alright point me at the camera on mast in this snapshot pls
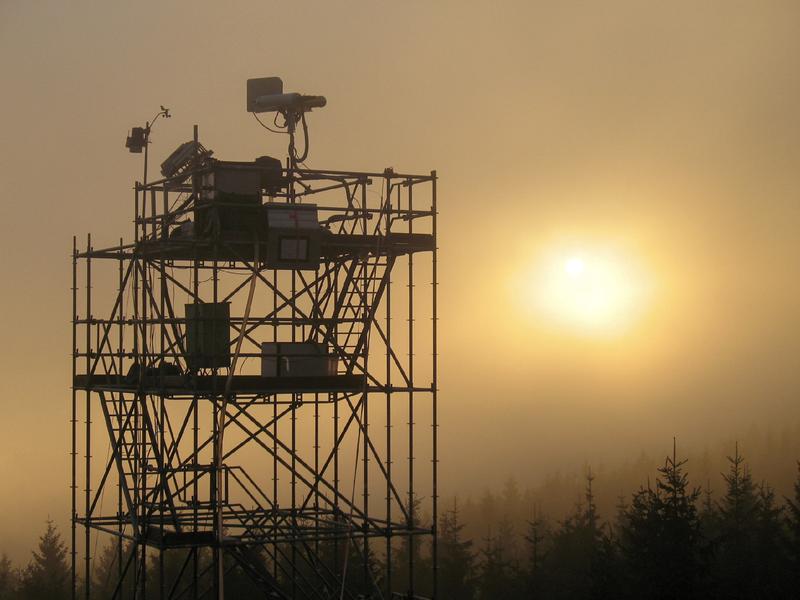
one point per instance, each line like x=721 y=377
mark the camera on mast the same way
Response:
x=265 y=94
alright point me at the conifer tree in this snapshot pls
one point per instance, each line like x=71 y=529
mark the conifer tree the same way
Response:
x=456 y=561
x=735 y=566
x=498 y=577
x=47 y=576
x=487 y=508
x=580 y=557
x=410 y=549
x=8 y=578
x=793 y=527
x=708 y=510
x=771 y=544
x=662 y=543
x=511 y=500
x=106 y=571
x=334 y=560
x=536 y=539
x=622 y=513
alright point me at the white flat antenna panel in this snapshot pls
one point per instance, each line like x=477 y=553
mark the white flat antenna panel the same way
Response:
x=259 y=87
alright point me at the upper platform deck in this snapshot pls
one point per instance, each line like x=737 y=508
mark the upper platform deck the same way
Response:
x=234 y=211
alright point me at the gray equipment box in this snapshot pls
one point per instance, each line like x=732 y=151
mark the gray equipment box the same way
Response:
x=208 y=335
x=225 y=179
x=293 y=236
x=229 y=202
x=297 y=359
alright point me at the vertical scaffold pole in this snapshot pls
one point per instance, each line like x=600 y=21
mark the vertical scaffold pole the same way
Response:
x=365 y=315
x=295 y=401
x=435 y=391
x=146 y=350
x=219 y=562
x=74 y=422
x=411 y=499
x=275 y=466
x=120 y=405
x=88 y=499
x=195 y=414
x=162 y=417
x=134 y=420
x=388 y=295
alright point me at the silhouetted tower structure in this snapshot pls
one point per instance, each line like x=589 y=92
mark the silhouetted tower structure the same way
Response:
x=255 y=381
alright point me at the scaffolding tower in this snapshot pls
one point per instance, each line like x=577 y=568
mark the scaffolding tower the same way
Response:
x=254 y=396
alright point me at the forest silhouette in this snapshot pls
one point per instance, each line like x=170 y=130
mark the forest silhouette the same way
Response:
x=665 y=540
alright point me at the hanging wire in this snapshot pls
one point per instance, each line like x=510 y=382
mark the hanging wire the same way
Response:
x=306 y=142
x=352 y=502
x=267 y=127
x=353 y=495
x=295 y=118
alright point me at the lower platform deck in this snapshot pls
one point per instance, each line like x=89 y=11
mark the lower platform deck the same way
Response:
x=214 y=385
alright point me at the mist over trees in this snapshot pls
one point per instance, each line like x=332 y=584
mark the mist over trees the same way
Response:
x=45 y=577
x=665 y=540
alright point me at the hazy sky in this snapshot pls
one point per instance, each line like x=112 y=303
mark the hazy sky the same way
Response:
x=663 y=135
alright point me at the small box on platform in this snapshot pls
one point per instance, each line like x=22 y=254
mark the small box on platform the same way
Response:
x=208 y=335
x=297 y=359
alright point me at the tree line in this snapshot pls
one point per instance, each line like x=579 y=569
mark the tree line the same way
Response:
x=666 y=540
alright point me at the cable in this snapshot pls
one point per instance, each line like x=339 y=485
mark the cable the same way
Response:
x=293 y=155
x=352 y=503
x=290 y=120
x=221 y=424
x=267 y=127
x=350 y=539
x=306 y=143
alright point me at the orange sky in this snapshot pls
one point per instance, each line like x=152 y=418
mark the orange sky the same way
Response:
x=668 y=132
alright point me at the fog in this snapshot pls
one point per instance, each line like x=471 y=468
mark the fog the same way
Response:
x=668 y=132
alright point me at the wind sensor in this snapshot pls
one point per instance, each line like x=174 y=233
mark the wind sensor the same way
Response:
x=139 y=137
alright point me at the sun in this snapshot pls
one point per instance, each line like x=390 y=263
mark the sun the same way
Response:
x=591 y=291
x=574 y=267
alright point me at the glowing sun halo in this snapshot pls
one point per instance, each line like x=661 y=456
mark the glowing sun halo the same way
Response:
x=589 y=291
x=574 y=267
